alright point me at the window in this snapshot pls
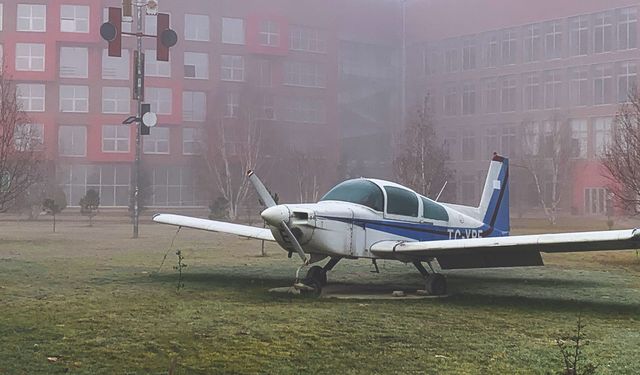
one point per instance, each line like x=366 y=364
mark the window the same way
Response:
x=160 y=100
x=157 y=142
x=74 y=62
x=175 y=186
x=30 y=97
x=116 y=67
x=401 y=202
x=579 y=135
x=596 y=201
x=603 y=32
x=627 y=81
x=32 y=17
x=508 y=141
x=491 y=96
x=531 y=94
x=509 y=47
x=30 y=57
x=155 y=68
x=492 y=51
x=359 y=191
x=492 y=141
x=151 y=25
x=469 y=99
x=74 y=19
x=452 y=60
x=579 y=35
x=269 y=33
x=451 y=101
x=469 y=188
x=469 y=145
x=553 y=40
x=431 y=61
x=194 y=106
x=552 y=88
x=116 y=100
x=579 y=86
x=196 y=27
x=508 y=94
x=304 y=110
x=602 y=134
x=196 y=65
x=265 y=74
x=110 y=181
x=602 y=84
x=304 y=74
x=306 y=39
x=232 y=68
x=451 y=145
x=232 y=105
x=531 y=48
x=115 y=138
x=432 y=210
x=72 y=140
x=74 y=99
x=469 y=54
x=627 y=24
x=29 y=137
x=232 y=30
x=267 y=110
x=1 y=16
x=191 y=141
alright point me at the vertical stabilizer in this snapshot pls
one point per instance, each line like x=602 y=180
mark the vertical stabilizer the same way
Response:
x=494 y=204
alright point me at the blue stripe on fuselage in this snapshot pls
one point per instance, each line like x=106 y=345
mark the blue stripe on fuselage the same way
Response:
x=419 y=231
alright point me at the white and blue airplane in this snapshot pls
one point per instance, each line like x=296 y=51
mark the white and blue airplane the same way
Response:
x=376 y=219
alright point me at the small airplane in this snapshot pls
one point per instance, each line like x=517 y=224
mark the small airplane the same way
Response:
x=376 y=219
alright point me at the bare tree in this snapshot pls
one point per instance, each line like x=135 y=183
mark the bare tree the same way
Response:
x=547 y=149
x=308 y=173
x=227 y=160
x=621 y=157
x=421 y=161
x=20 y=147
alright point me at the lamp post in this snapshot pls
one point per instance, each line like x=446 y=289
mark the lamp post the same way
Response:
x=112 y=32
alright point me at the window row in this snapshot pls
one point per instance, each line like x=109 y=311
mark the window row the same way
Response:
x=581 y=35
x=33 y=18
x=578 y=138
x=551 y=89
x=266 y=107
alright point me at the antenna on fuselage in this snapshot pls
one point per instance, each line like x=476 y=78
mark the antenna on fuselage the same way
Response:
x=441 y=190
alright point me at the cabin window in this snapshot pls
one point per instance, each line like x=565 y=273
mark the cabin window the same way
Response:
x=434 y=211
x=401 y=202
x=359 y=191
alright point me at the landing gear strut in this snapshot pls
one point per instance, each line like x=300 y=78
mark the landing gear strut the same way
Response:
x=435 y=283
x=317 y=276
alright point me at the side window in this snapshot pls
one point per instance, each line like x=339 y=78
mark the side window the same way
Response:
x=432 y=210
x=401 y=202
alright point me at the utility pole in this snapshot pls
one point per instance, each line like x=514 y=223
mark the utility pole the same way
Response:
x=112 y=32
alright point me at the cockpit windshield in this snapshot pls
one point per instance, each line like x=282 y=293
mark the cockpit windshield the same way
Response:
x=358 y=191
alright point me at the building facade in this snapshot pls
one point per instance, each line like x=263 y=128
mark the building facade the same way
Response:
x=277 y=63
x=496 y=71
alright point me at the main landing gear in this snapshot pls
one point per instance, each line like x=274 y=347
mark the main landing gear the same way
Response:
x=316 y=277
x=435 y=283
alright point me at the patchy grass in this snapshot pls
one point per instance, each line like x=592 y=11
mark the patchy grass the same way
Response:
x=91 y=298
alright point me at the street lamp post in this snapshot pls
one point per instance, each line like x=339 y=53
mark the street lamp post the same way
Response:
x=112 y=32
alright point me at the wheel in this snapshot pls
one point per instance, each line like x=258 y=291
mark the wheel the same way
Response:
x=317 y=273
x=316 y=278
x=436 y=284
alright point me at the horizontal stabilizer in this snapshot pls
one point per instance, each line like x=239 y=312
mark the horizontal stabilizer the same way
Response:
x=215 y=226
x=508 y=247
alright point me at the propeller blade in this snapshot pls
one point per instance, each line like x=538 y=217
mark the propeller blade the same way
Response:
x=263 y=193
x=295 y=242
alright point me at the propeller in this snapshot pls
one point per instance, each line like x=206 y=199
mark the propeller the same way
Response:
x=276 y=215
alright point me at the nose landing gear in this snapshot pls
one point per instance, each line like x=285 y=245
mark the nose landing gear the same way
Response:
x=316 y=278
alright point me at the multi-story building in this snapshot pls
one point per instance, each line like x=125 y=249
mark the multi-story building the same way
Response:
x=495 y=68
x=277 y=63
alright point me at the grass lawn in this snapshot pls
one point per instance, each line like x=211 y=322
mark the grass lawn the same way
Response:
x=90 y=301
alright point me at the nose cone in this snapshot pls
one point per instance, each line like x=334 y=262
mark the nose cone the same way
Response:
x=276 y=215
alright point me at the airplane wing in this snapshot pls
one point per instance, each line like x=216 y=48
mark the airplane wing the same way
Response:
x=507 y=251
x=215 y=226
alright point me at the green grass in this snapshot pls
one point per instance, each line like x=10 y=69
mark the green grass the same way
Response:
x=91 y=297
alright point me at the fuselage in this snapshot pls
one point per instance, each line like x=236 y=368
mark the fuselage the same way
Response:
x=347 y=222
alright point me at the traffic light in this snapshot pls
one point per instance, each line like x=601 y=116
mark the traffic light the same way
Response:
x=111 y=31
x=166 y=38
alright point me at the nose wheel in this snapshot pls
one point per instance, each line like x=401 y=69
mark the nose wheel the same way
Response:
x=316 y=278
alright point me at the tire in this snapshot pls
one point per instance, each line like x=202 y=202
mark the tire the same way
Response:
x=436 y=284
x=318 y=274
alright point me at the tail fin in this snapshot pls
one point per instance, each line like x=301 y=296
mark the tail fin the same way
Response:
x=494 y=204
